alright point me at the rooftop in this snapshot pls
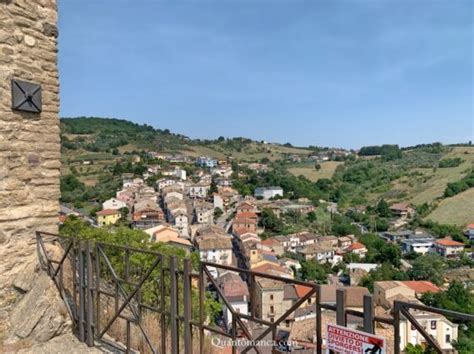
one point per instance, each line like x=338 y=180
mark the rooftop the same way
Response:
x=449 y=242
x=106 y=212
x=421 y=286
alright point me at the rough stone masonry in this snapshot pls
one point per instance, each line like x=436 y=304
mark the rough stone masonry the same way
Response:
x=30 y=310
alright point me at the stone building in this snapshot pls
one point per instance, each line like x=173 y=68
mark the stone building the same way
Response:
x=31 y=311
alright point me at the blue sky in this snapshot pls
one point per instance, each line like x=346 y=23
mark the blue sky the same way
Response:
x=332 y=73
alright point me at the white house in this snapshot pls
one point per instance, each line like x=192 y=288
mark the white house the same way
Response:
x=215 y=249
x=114 y=204
x=420 y=245
x=180 y=173
x=165 y=182
x=449 y=248
x=198 y=190
x=218 y=202
x=268 y=192
x=222 y=171
x=204 y=213
x=181 y=222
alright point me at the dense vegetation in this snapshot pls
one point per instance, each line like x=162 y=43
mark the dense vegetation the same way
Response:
x=458 y=187
x=74 y=192
x=104 y=135
x=387 y=152
x=139 y=262
x=450 y=162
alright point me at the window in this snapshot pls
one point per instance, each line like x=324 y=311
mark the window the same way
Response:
x=272 y=320
x=271 y=297
x=433 y=324
x=272 y=310
x=448 y=338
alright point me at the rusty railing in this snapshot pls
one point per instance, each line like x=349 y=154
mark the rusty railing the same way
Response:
x=103 y=288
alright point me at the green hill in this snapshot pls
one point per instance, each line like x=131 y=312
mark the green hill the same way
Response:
x=418 y=174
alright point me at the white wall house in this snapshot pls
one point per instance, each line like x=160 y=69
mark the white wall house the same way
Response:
x=180 y=173
x=268 y=192
x=418 y=245
x=114 y=204
x=438 y=326
x=218 y=202
x=215 y=249
x=165 y=182
x=198 y=190
x=180 y=221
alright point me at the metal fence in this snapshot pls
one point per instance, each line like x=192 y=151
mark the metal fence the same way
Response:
x=140 y=300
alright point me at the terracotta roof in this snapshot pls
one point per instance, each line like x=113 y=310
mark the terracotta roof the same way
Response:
x=233 y=286
x=470 y=226
x=356 y=246
x=449 y=242
x=421 y=287
x=210 y=242
x=302 y=290
x=355 y=295
x=245 y=215
x=271 y=268
x=108 y=212
x=270 y=242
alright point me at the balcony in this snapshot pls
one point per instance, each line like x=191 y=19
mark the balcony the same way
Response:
x=105 y=295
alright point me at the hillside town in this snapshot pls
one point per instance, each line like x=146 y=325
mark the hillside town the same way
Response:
x=201 y=213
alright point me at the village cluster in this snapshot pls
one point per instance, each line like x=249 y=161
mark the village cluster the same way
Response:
x=203 y=213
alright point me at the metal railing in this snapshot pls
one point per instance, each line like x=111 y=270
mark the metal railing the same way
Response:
x=103 y=287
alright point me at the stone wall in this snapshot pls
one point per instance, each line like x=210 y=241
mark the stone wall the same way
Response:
x=29 y=158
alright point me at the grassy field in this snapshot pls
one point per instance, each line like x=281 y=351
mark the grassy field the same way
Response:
x=458 y=210
x=431 y=183
x=251 y=153
x=326 y=171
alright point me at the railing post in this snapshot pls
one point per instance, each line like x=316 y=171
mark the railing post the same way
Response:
x=368 y=314
x=340 y=307
x=201 y=308
x=253 y=302
x=81 y=292
x=234 y=334
x=74 y=278
x=89 y=296
x=97 y=289
x=163 y=305
x=319 y=339
x=187 y=307
x=396 y=327
x=174 y=306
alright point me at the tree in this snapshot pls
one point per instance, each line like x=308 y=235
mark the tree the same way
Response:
x=385 y=272
x=428 y=267
x=311 y=270
x=213 y=189
x=317 y=166
x=383 y=209
x=218 y=213
x=311 y=216
x=270 y=221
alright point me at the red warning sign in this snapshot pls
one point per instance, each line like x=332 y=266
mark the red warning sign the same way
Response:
x=350 y=341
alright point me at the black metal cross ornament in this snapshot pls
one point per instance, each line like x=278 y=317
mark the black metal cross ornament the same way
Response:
x=26 y=96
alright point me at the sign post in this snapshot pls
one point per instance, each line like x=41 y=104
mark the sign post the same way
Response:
x=344 y=340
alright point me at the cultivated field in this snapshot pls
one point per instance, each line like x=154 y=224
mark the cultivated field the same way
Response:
x=252 y=152
x=326 y=171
